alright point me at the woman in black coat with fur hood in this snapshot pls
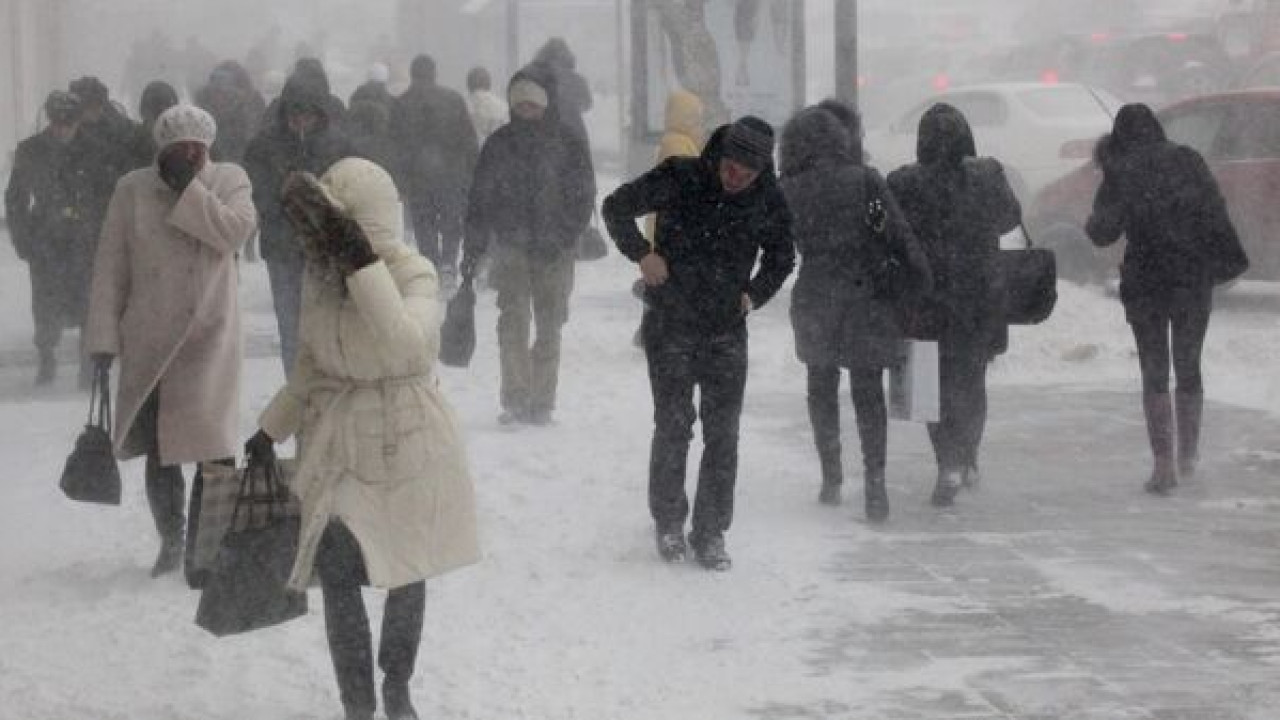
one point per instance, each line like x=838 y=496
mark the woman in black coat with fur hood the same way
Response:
x=837 y=322
x=1180 y=244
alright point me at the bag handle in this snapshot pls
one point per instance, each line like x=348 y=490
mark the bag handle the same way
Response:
x=272 y=485
x=100 y=400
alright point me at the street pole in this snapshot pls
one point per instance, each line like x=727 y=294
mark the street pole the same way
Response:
x=846 y=55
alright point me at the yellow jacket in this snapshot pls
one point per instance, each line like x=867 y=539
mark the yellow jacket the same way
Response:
x=682 y=137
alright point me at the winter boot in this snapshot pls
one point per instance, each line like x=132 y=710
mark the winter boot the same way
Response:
x=971 y=476
x=877 y=498
x=48 y=368
x=672 y=546
x=832 y=474
x=824 y=415
x=166 y=489
x=944 y=492
x=712 y=554
x=396 y=701
x=1158 y=409
x=1190 y=408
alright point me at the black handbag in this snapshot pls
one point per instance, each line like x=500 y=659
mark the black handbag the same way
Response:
x=887 y=267
x=246 y=589
x=1029 y=283
x=92 y=473
x=458 y=333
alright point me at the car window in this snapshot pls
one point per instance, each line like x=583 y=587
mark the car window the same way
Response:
x=1254 y=133
x=980 y=109
x=1196 y=127
x=1067 y=101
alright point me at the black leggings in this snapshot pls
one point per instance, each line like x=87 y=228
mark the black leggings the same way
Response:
x=867 y=389
x=963 y=380
x=1187 y=322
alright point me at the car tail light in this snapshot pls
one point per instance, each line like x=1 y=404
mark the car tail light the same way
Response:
x=1176 y=37
x=1049 y=77
x=1100 y=37
x=941 y=82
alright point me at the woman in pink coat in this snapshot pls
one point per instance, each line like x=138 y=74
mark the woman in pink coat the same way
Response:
x=164 y=300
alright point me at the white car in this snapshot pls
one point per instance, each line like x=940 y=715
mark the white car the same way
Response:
x=1038 y=131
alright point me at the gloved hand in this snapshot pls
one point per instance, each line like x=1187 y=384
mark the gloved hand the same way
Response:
x=102 y=361
x=179 y=163
x=328 y=232
x=260 y=449
x=347 y=245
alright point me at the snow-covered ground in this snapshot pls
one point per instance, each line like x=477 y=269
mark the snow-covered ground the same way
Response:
x=570 y=615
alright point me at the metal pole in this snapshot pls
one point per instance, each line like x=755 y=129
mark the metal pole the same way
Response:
x=513 y=37
x=846 y=55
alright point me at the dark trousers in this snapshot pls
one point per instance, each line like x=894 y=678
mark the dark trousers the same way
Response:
x=437 y=226
x=963 y=382
x=1186 y=321
x=286 y=295
x=166 y=487
x=717 y=366
x=866 y=386
x=59 y=296
x=342 y=573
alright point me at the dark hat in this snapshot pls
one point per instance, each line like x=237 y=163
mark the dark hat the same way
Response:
x=62 y=106
x=90 y=89
x=750 y=142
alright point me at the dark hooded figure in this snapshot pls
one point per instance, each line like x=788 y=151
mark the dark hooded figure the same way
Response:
x=106 y=142
x=438 y=147
x=236 y=105
x=958 y=205
x=725 y=249
x=301 y=135
x=369 y=128
x=157 y=97
x=837 y=322
x=1181 y=242
x=531 y=198
x=573 y=95
x=312 y=71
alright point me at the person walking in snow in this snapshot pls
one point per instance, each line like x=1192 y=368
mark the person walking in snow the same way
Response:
x=157 y=97
x=488 y=112
x=165 y=301
x=725 y=249
x=386 y=495
x=531 y=198
x=958 y=206
x=837 y=320
x=1163 y=198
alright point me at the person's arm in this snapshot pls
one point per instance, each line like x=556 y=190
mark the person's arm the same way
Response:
x=579 y=189
x=1108 y=220
x=283 y=415
x=223 y=221
x=17 y=203
x=1006 y=211
x=109 y=289
x=778 y=252
x=899 y=233
x=655 y=191
x=481 y=197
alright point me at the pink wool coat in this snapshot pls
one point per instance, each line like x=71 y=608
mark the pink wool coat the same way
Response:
x=164 y=300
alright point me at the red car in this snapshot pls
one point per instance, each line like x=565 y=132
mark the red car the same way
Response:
x=1239 y=136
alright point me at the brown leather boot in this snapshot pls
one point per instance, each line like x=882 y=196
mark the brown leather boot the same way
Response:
x=1158 y=408
x=1190 y=408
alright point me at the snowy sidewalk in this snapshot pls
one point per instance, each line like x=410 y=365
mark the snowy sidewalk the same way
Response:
x=1057 y=591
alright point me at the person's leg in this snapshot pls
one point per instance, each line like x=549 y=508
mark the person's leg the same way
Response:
x=46 y=314
x=867 y=388
x=286 y=295
x=1151 y=333
x=1190 y=325
x=971 y=417
x=721 y=374
x=944 y=434
x=823 y=397
x=552 y=288
x=671 y=379
x=398 y=648
x=166 y=491
x=451 y=220
x=426 y=230
x=511 y=277
x=341 y=569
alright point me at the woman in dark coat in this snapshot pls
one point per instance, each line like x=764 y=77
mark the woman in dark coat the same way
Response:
x=837 y=322
x=1180 y=243
x=958 y=205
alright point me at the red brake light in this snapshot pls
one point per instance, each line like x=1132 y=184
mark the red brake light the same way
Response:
x=941 y=82
x=1177 y=37
x=1100 y=37
x=1049 y=77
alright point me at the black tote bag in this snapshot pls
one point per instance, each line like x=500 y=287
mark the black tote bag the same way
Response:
x=458 y=333
x=246 y=588
x=1029 y=282
x=91 y=473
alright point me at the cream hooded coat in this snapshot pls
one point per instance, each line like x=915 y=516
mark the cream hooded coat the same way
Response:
x=379 y=447
x=164 y=299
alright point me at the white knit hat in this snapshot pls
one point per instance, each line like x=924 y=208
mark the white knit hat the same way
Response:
x=527 y=91
x=184 y=123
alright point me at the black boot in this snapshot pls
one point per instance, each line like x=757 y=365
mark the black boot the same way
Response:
x=944 y=492
x=824 y=416
x=1158 y=409
x=672 y=546
x=48 y=368
x=398 y=648
x=1190 y=409
x=166 y=489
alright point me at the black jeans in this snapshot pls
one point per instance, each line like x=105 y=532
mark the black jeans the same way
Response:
x=437 y=225
x=866 y=386
x=286 y=296
x=1186 y=319
x=342 y=573
x=717 y=366
x=166 y=487
x=958 y=434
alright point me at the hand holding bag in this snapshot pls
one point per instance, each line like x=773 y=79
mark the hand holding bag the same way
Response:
x=247 y=586
x=1029 y=282
x=92 y=473
x=458 y=333
x=890 y=273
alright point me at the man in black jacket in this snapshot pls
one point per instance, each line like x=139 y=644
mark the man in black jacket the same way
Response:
x=302 y=135
x=437 y=144
x=717 y=215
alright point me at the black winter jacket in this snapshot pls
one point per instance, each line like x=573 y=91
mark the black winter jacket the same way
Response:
x=52 y=198
x=435 y=139
x=1163 y=197
x=711 y=240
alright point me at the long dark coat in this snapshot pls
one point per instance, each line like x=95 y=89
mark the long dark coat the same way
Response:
x=959 y=206
x=835 y=318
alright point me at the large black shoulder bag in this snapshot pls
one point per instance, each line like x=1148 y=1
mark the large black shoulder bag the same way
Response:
x=458 y=333
x=1029 y=280
x=91 y=473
